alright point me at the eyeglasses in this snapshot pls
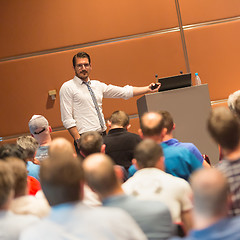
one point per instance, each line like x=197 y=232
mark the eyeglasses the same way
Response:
x=80 y=66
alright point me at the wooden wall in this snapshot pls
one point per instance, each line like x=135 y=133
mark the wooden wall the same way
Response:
x=129 y=42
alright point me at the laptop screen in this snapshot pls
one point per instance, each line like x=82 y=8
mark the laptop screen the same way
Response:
x=178 y=81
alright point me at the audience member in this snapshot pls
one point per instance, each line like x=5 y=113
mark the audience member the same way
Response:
x=11 y=224
x=22 y=202
x=13 y=150
x=40 y=130
x=152 y=216
x=120 y=143
x=224 y=127
x=29 y=146
x=152 y=183
x=170 y=141
x=234 y=102
x=211 y=202
x=62 y=181
x=91 y=142
x=179 y=162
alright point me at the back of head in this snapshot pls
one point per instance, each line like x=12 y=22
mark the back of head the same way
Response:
x=167 y=121
x=38 y=126
x=6 y=183
x=237 y=107
x=20 y=175
x=11 y=150
x=90 y=142
x=100 y=174
x=151 y=124
x=60 y=147
x=224 y=127
x=61 y=179
x=148 y=153
x=210 y=192
x=119 y=118
x=29 y=146
x=232 y=100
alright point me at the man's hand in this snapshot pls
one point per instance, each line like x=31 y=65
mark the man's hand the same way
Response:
x=154 y=87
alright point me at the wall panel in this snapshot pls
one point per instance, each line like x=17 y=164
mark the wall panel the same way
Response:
x=134 y=62
x=214 y=53
x=31 y=26
x=201 y=11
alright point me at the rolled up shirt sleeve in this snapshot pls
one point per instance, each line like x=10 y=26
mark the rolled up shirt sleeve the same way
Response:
x=66 y=107
x=111 y=91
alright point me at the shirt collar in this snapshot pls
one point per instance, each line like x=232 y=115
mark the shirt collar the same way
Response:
x=79 y=80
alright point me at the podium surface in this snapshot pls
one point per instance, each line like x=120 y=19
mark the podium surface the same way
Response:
x=190 y=108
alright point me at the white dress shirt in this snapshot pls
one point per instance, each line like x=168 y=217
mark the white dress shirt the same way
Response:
x=77 y=107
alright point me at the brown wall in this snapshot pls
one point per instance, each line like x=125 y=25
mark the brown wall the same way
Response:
x=129 y=42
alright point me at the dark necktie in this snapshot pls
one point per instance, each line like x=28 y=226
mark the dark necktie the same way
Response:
x=95 y=105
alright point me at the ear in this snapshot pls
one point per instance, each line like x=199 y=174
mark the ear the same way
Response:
x=109 y=123
x=164 y=132
x=118 y=172
x=50 y=129
x=103 y=147
x=128 y=126
x=135 y=163
x=140 y=133
x=174 y=126
x=160 y=164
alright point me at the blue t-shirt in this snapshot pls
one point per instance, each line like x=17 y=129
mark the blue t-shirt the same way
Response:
x=33 y=169
x=190 y=146
x=226 y=229
x=179 y=161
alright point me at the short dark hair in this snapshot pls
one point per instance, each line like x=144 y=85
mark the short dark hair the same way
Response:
x=90 y=142
x=80 y=55
x=224 y=127
x=119 y=118
x=61 y=178
x=6 y=182
x=12 y=150
x=29 y=145
x=147 y=153
x=154 y=129
x=167 y=120
x=20 y=175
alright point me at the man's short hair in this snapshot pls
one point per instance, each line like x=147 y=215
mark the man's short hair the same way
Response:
x=232 y=100
x=61 y=178
x=6 y=182
x=90 y=142
x=119 y=118
x=29 y=145
x=210 y=192
x=153 y=128
x=80 y=55
x=237 y=107
x=224 y=127
x=147 y=153
x=167 y=120
x=12 y=150
x=20 y=175
x=38 y=124
x=102 y=179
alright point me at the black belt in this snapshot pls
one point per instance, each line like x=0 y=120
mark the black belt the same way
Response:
x=101 y=133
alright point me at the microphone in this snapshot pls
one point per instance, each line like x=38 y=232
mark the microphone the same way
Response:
x=156 y=84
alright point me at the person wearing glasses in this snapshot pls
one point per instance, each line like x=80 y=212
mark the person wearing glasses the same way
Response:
x=81 y=99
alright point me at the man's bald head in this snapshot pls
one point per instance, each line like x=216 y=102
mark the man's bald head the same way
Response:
x=210 y=192
x=151 y=124
x=60 y=147
x=100 y=174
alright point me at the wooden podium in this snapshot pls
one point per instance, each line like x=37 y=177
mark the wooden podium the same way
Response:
x=190 y=108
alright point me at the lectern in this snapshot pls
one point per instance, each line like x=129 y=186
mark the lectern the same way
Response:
x=190 y=108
